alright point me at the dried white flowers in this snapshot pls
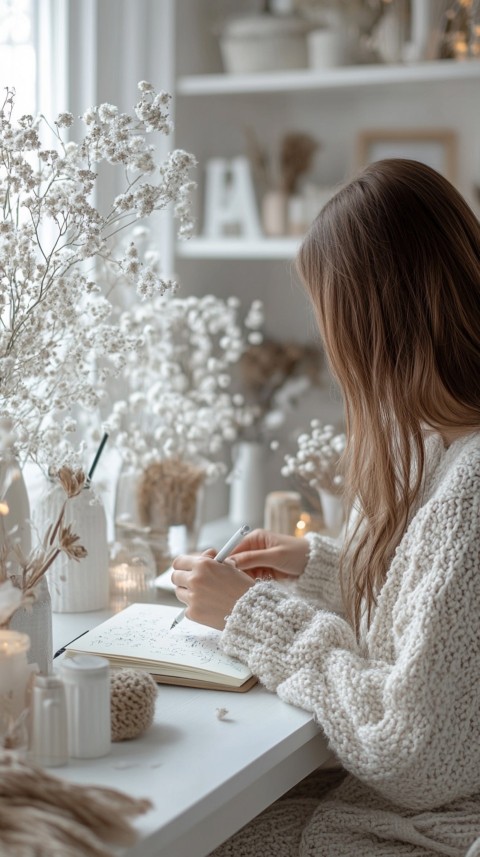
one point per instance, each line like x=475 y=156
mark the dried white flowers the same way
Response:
x=179 y=404
x=316 y=461
x=59 y=339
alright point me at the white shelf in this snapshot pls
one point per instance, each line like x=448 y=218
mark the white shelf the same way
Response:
x=347 y=77
x=238 y=248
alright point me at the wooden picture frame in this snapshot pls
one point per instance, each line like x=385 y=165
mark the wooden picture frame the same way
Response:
x=435 y=147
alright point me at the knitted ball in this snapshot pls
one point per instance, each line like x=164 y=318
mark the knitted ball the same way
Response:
x=132 y=706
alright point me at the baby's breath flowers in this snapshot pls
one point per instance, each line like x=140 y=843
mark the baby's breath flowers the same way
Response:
x=59 y=339
x=316 y=461
x=178 y=403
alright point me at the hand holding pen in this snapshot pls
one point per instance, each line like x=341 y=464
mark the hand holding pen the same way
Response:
x=222 y=554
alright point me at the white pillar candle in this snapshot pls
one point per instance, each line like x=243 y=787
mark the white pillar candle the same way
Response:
x=14 y=672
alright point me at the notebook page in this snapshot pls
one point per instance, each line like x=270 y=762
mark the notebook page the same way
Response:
x=142 y=631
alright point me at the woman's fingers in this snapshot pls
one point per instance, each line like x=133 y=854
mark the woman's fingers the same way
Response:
x=207 y=588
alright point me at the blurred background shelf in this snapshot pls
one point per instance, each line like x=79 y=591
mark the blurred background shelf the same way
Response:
x=238 y=248
x=348 y=77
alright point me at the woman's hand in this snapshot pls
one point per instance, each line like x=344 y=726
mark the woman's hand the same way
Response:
x=209 y=589
x=270 y=555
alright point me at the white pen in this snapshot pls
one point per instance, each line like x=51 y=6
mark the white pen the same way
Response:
x=221 y=555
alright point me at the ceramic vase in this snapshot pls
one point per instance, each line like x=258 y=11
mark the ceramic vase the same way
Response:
x=77 y=586
x=247 y=484
x=35 y=620
x=332 y=511
x=274 y=213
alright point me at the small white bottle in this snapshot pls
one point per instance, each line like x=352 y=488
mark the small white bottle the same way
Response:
x=49 y=740
x=87 y=687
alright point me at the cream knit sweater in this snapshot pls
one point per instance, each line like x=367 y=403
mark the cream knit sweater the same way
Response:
x=401 y=709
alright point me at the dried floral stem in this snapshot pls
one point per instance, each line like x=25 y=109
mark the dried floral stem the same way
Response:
x=58 y=538
x=167 y=493
x=45 y=815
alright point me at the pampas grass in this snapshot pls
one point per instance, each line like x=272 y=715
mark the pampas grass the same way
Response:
x=44 y=816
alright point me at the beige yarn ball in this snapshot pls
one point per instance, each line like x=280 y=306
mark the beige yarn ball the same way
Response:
x=132 y=703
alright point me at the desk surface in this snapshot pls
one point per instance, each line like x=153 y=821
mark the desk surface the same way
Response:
x=206 y=777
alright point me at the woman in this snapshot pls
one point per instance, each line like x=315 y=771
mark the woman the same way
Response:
x=380 y=637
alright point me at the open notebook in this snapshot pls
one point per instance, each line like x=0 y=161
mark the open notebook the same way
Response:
x=140 y=637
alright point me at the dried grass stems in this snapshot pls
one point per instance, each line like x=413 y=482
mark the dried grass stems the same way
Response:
x=266 y=367
x=295 y=158
x=28 y=571
x=44 y=816
x=167 y=493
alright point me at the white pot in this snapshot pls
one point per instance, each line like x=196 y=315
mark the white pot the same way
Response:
x=261 y=43
x=80 y=586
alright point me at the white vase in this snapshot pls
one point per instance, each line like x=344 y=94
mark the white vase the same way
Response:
x=247 y=484
x=36 y=620
x=15 y=517
x=77 y=586
x=332 y=510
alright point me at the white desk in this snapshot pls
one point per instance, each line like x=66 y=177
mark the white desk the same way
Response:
x=206 y=777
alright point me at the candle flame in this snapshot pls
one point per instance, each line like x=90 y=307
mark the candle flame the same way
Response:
x=4 y=508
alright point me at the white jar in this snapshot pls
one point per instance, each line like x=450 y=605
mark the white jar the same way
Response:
x=326 y=48
x=49 y=741
x=87 y=689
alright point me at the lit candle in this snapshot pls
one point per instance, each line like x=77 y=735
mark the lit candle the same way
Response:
x=14 y=672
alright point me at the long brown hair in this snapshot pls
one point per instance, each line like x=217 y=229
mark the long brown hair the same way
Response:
x=392 y=267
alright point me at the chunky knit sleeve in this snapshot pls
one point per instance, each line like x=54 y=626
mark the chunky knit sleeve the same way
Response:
x=401 y=710
x=320 y=579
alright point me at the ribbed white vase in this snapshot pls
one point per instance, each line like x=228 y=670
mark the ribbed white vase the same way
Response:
x=36 y=620
x=77 y=586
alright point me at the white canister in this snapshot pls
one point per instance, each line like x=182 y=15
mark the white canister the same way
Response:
x=87 y=689
x=49 y=737
x=326 y=48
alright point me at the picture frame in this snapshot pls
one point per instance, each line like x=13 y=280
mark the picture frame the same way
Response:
x=432 y=146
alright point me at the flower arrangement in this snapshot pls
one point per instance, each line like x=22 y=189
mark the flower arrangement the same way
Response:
x=59 y=338
x=317 y=459
x=284 y=171
x=20 y=575
x=272 y=377
x=179 y=405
